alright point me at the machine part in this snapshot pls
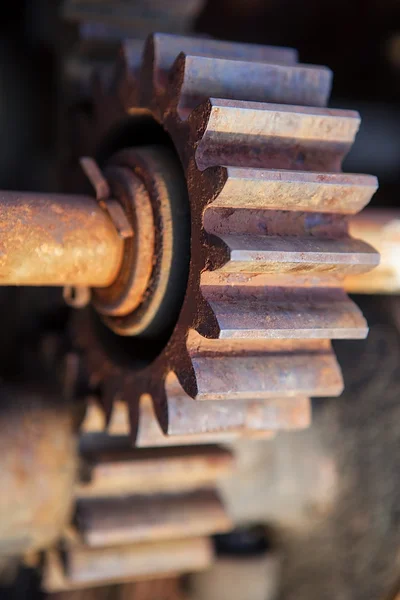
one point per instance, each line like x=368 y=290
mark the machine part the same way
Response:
x=106 y=522
x=101 y=25
x=155 y=265
x=115 y=471
x=55 y=239
x=39 y=459
x=103 y=193
x=231 y=286
x=131 y=524
x=89 y=567
x=381 y=228
x=245 y=419
x=269 y=245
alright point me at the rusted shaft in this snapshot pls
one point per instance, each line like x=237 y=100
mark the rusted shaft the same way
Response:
x=50 y=239
x=381 y=229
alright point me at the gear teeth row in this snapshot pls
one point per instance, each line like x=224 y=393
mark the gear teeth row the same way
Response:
x=162 y=50
x=263 y=126
x=188 y=422
x=273 y=255
x=132 y=518
x=264 y=189
x=188 y=416
x=270 y=244
x=199 y=78
x=274 y=136
x=287 y=313
x=253 y=369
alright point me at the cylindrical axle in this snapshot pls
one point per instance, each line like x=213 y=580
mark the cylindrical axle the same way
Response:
x=68 y=240
x=381 y=229
x=50 y=239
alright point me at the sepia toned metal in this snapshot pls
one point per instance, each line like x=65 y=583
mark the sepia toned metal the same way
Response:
x=145 y=518
x=89 y=567
x=117 y=471
x=38 y=468
x=137 y=512
x=296 y=416
x=269 y=249
x=55 y=239
x=218 y=245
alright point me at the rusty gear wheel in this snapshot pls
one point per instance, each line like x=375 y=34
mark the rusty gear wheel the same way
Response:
x=269 y=245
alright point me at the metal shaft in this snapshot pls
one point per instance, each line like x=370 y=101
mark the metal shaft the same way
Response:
x=54 y=239
x=59 y=239
x=381 y=229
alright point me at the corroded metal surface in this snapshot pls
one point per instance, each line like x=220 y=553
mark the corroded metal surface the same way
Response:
x=231 y=287
x=88 y=567
x=149 y=185
x=51 y=239
x=126 y=292
x=249 y=420
x=269 y=238
x=38 y=468
x=114 y=471
x=103 y=196
x=138 y=512
x=145 y=518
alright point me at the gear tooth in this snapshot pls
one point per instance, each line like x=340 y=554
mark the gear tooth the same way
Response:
x=130 y=519
x=161 y=51
x=344 y=193
x=201 y=77
x=274 y=255
x=227 y=370
x=275 y=136
x=181 y=431
x=170 y=46
x=262 y=377
x=188 y=417
x=285 y=313
x=191 y=418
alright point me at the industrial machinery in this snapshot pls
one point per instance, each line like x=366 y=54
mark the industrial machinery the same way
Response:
x=204 y=246
x=217 y=244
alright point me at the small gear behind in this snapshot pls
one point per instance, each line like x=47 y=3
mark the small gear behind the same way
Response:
x=228 y=163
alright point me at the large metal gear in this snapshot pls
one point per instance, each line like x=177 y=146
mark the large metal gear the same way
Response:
x=259 y=232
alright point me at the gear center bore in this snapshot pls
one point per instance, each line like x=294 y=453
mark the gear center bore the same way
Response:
x=144 y=302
